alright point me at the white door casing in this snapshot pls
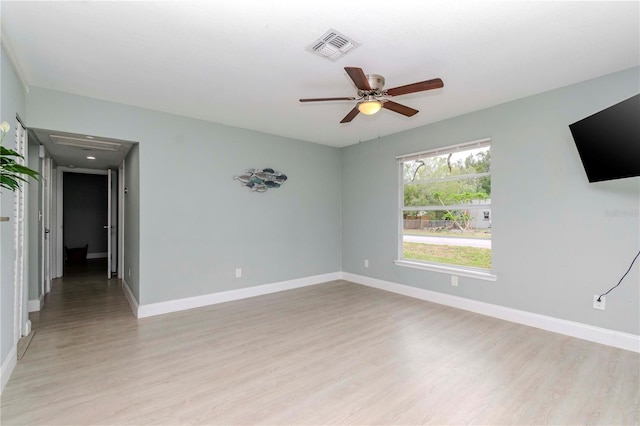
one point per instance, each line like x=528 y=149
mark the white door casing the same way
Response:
x=121 y=171
x=109 y=226
x=22 y=325
x=114 y=233
x=60 y=214
x=58 y=223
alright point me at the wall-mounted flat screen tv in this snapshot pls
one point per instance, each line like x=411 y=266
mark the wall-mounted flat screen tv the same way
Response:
x=609 y=141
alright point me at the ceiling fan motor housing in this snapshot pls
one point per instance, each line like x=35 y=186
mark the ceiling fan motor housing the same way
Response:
x=376 y=82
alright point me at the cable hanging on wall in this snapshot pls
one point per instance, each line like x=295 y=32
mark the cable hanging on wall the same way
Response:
x=625 y=274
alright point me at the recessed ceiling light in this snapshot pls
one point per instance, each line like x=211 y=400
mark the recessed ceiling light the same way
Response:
x=91 y=158
x=71 y=166
x=89 y=137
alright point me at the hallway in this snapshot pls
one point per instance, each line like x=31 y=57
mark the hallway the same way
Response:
x=82 y=313
x=81 y=299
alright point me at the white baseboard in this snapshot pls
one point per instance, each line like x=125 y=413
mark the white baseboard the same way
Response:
x=97 y=255
x=591 y=333
x=227 y=296
x=8 y=366
x=35 y=305
x=630 y=342
x=130 y=297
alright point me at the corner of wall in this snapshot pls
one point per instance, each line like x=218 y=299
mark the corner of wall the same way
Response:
x=7 y=368
x=130 y=298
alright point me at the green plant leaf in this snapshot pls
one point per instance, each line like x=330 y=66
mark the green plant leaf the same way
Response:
x=12 y=173
x=9 y=182
x=9 y=152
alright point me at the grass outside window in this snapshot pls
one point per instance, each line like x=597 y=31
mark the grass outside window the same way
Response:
x=452 y=255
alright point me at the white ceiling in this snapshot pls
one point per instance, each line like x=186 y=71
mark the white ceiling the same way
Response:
x=244 y=63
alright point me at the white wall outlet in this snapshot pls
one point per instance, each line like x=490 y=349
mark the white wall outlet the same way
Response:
x=238 y=272
x=454 y=280
x=366 y=263
x=600 y=304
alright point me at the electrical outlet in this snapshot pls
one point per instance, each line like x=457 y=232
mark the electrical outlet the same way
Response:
x=600 y=304
x=454 y=280
x=238 y=272
x=366 y=263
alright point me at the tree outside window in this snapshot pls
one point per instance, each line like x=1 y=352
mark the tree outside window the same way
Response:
x=446 y=206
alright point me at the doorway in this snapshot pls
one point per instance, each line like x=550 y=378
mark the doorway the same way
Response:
x=84 y=216
x=89 y=229
x=62 y=155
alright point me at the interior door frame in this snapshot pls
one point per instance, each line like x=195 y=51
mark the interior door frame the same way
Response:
x=121 y=207
x=109 y=226
x=53 y=235
x=22 y=324
x=60 y=216
x=45 y=221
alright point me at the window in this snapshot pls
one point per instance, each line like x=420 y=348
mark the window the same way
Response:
x=445 y=208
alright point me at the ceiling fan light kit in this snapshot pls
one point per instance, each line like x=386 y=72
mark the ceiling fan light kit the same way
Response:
x=372 y=97
x=369 y=107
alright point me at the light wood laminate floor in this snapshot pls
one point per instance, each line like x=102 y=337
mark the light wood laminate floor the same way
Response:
x=336 y=353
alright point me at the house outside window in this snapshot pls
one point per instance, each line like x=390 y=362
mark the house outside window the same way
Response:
x=445 y=207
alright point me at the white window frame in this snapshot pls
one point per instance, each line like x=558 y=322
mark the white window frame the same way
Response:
x=464 y=271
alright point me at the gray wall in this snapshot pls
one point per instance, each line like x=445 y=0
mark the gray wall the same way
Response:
x=85 y=212
x=12 y=102
x=196 y=223
x=131 y=272
x=557 y=239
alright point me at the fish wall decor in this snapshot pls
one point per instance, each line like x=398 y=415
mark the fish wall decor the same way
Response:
x=259 y=180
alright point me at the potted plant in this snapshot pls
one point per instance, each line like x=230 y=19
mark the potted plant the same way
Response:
x=12 y=172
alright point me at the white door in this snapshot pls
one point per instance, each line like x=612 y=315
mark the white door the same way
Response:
x=45 y=221
x=53 y=221
x=109 y=226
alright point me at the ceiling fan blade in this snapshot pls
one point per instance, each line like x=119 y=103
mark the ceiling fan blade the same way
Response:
x=436 y=83
x=352 y=114
x=358 y=77
x=401 y=109
x=326 y=99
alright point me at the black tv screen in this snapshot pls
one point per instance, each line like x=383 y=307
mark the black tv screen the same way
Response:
x=609 y=141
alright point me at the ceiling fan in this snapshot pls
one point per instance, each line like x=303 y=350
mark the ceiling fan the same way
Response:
x=371 y=96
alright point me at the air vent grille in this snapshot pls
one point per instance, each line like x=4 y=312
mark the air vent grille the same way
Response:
x=332 y=45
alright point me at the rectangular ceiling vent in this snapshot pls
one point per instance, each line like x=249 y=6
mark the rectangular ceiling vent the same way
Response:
x=332 y=45
x=85 y=143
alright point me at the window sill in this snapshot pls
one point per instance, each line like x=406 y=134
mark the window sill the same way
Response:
x=451 y=270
